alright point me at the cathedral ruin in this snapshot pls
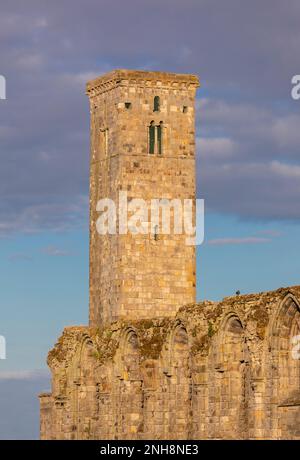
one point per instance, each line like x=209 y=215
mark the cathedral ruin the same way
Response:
x=153 y=363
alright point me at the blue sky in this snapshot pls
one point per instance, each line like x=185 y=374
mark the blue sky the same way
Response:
x=44 y=278
x=248 y=144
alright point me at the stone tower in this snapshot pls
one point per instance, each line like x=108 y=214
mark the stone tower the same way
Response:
x=213 y=370
x=142 y=145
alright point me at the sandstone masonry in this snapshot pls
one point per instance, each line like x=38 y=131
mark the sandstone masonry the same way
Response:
x=215 y=371
x=140 y=276
x=153 y=364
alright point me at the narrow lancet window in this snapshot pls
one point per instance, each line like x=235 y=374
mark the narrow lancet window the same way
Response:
x=156 y=107
x=159 y=137
x=151 y=137
x=104 y=141
x=155 y=138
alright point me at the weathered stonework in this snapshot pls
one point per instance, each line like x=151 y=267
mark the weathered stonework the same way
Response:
x=216 y=370
x=147 y=367
x=139 y=276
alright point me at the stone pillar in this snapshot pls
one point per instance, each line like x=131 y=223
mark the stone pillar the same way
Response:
x=257 y=410
x=46 y=404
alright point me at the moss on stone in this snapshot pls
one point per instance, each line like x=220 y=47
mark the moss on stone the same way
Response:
x=201 y=345
x=260 y=316
x=152 y=335
x=66 y=344
x=106 y=341
x=211 y=330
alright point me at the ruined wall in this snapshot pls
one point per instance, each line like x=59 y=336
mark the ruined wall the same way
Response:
x=217 y=370
x=140 y=275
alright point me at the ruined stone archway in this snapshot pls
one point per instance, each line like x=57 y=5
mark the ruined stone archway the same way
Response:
x=283 y=395
x=178 y=387
x=84 y=394
x=129 y=391
x=230 y=382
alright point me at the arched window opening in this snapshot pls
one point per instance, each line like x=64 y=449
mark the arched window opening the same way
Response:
x=152 y=137
x=179 y=387
x=231 y=382
x=284 y=396
x=155 y=138
x=156 y=107
x=129 y=408
x=159 y=137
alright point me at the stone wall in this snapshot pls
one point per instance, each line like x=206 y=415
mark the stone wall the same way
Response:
x=215 y=371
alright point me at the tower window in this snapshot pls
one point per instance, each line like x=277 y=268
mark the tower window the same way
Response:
x=156 y=105
x=159 y=137
x=128 y=105
x=156 y=138
x=104 y=141
x=184 y=109
x=151 y=137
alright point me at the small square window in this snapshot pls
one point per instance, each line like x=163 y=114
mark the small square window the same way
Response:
x=185 y=109
x=128 y=105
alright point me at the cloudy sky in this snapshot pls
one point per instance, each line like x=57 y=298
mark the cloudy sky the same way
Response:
x=248 y=162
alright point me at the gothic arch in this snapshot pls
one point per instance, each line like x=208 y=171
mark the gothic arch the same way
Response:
x=178 y=385
x=282 y=320
x=83 y=396
x=129 y=392
x=229 y=379
x=283 y=369
x=127 y=356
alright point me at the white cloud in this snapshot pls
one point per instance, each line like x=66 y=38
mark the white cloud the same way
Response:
x=216 y=147
x=270 y=232
x=81 y=78
x=237 y=241
x=30 y=62
x=54 y=216
x=286 y=170
x=286 y=132
x=250 y=121
x=41 y=23
x=223 y=112
x=54 y=252
x=24 y=374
